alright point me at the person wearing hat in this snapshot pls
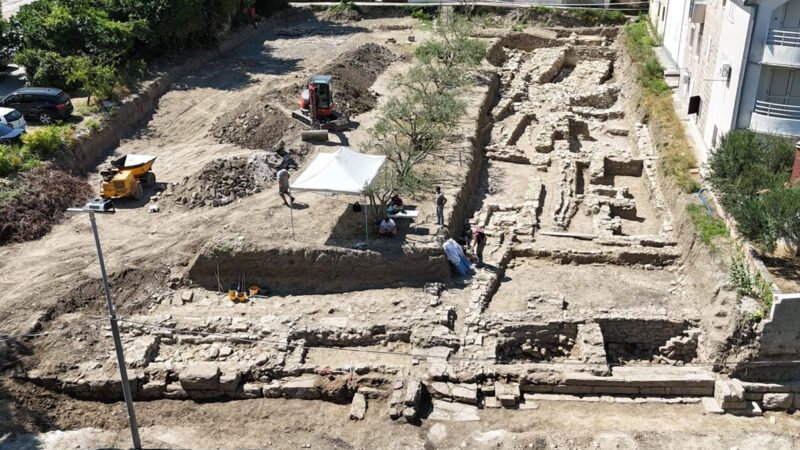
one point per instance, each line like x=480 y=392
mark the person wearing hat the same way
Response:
x=478 y=243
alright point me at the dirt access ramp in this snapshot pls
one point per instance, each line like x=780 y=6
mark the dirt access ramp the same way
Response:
x=262 y=122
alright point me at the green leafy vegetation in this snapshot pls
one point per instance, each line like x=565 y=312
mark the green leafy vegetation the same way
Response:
x=750 y=173
x=707 y=225
x=37 y=146
x=343 y=6
x=584 y=16
x=677 y=156
x=751 y=284
x=16 y=158
x=412 y=125
x=101 y=46
x=421 y=14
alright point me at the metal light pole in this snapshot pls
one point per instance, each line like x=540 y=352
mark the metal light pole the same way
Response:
x=100 y=207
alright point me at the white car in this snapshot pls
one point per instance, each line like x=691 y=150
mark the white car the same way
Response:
x=12 y=118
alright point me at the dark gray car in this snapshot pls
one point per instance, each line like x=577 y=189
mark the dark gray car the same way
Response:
x=44 y=105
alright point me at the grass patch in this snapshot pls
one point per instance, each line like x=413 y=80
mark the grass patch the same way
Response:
x=677 y=156
x=707 y=225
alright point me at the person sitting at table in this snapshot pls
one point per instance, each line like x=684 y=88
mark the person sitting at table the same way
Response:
x=387 y=228
x=395 y=204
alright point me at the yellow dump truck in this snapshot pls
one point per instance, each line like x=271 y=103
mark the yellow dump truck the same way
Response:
x=128 y=176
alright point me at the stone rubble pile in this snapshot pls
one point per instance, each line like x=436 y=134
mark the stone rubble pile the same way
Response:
x=225 y=180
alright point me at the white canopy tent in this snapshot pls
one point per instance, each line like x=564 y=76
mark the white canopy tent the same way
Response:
x=345 y=171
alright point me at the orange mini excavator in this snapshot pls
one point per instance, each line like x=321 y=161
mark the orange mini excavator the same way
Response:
x=318 y=110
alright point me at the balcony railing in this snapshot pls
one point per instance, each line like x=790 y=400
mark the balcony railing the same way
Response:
x=777 y=110
x=784 y=38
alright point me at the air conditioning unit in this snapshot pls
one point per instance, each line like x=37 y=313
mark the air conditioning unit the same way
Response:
x=725 y=72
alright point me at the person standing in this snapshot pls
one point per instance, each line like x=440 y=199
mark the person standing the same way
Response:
x=283 y=186
x=478 y=243
x=440 y=201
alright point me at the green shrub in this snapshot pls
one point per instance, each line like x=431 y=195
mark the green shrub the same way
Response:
x=750 y=284
x=16 y=158
x=45 y=142
x=421 y=14
x=750 y=174
x=707 y=225
x=343 y=6
x=92 y=124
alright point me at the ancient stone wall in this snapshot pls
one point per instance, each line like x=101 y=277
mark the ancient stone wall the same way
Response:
x=780 y=334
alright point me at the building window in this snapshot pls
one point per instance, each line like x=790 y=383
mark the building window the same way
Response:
x=691 y=37
x=714 y=137
x=699 y=40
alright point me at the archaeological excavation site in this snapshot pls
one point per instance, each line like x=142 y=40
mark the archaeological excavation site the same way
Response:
x=596 y=295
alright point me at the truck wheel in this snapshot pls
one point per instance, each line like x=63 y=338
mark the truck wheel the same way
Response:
x=138 y=192
x=150 y=179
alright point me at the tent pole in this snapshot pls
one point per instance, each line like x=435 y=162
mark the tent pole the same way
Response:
x=366 y=230
x=291 y=216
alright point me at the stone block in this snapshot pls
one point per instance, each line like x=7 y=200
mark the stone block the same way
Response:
x=491 y=402
x=763 y=388
x=796 y=403
x=142 y=351
x=711 y=406
x=174 y=391
x=563 y=389
x=153 y=389
x=753 y=396
x=229 y=381
x=412 y=392
x=729 y=394
x=200 y=376
x=358 y=408
x=252 y=390
x=507 y=393
x=465 y=393
x=272 y=390
x=616 y=390
x=536 y=388
x=751 y=409
x=372 y=393
x=410 y=414
x=653 y=391
x=691 y=390
x=777 y=401
x=303 y=388
x=453 y=412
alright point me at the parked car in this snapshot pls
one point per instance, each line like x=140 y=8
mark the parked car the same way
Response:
x=41 y=104
x=10 y=135
x=12 y=118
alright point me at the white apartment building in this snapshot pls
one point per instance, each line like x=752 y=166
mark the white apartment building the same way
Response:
x=738 y=63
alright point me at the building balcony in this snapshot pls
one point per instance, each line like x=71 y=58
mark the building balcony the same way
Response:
x=776 y=118
x=782 y=48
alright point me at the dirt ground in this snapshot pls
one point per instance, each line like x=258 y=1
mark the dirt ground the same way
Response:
x=291 y=424
x=52 y=285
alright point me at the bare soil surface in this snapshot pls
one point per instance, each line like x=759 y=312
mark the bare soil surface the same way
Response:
x=569 y=170
x=291 y=424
